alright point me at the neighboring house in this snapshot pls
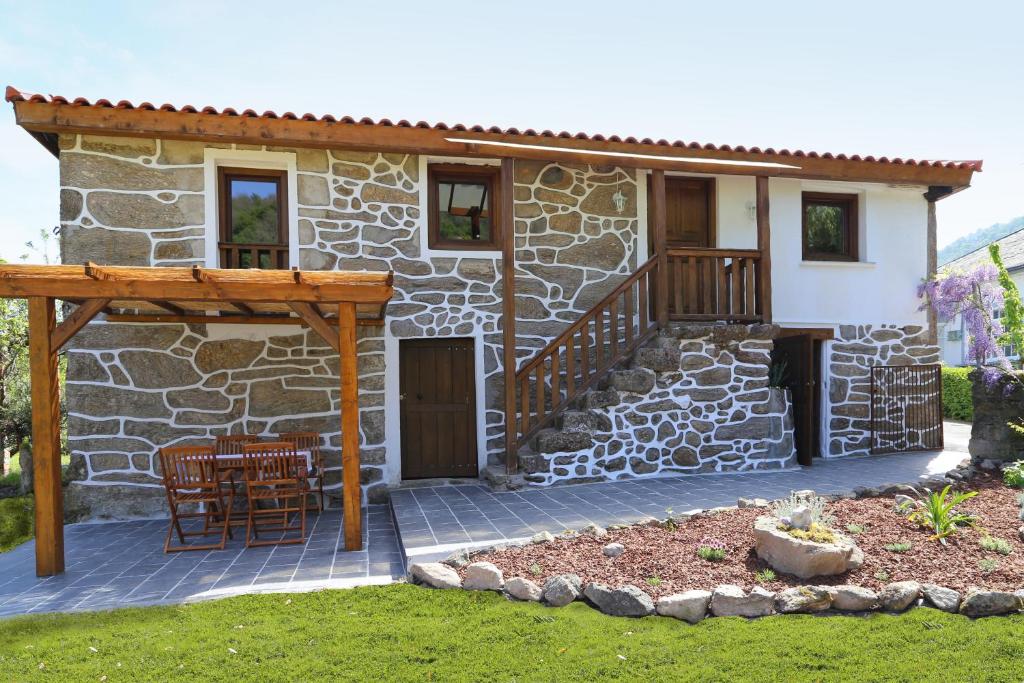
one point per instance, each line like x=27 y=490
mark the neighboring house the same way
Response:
x=953 y=338
x=559 y=299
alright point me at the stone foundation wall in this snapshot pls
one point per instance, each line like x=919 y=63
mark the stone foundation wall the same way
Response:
x=853 y=352
x=711 y=410
x=994 y=408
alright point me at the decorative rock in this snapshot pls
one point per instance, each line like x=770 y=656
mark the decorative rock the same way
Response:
x=853 y=598
x=900 y=500
x=560 y=590
x=523 y=589
x=730 y=601
x=751 y=503
x=803 y=558
x=945 y=599
x=613 y=549
x=627 y=601
x=594 y=530
x=980 y=603
x=483 y=576
x=800 y=517
x=691 y=606
x=900 y=595
x=1020 y=532
x=458 y=559
x=435 y=575
x=803 y=599
x=542 y=537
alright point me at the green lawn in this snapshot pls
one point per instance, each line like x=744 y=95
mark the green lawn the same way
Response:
x=409 y=633
x=16 y=521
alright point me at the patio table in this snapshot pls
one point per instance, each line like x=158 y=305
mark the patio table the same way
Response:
x=236 y=462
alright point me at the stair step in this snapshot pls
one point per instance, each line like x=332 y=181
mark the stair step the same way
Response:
x=634 y=380
x=578 y=421
x=657 y=359
x=599 y=398
x=558 y=441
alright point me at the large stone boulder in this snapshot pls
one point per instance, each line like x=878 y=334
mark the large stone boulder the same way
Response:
x=731 y=601
x=483 y=576
x=801 y=558
x=627 y=601
x=980 y=603
x=523 y=589
x=945 y=599
x=560 y=590
x=900 y=595
x=691 y=606
x=803 y=599
x=435 y=575
x=853 y=598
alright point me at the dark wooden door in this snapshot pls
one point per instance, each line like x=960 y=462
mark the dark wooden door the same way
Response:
x=800 y=354
x=689 y=212
x=438 y=413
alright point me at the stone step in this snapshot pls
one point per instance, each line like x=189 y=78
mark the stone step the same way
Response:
x=598 y=398
x=580 y=421
x=657 y=359
x=557 y=441
x=634 y=380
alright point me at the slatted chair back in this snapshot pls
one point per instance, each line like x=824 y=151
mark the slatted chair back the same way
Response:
x=234 y=444
x=304 y=441
x=188 y=467
x=274 y=462
x=310 y=441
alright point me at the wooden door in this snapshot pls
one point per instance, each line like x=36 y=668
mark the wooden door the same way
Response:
x=438 y=408
x=801 y=355
x=689 y=212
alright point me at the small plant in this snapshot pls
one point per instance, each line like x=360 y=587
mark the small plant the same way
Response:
x=898 y=547
x=711 y=549
x=855 y=528
x=882 y=576
x=988 y=565
x=535 y=569
x=777 y=374
x=1013 y=474
x=996 y=545
x=670 y=524
x=765 y=576
x=816 y=533
x=937 y=512
x=815 y=504
x=653 y=581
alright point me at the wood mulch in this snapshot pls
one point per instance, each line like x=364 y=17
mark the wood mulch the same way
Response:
x=663 y=561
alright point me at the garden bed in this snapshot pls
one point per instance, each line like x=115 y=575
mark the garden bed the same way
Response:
x=663 y=561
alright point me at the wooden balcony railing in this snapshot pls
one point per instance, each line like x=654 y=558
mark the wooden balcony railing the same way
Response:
x=575 y=360
x=714 y=284
x=264 y=256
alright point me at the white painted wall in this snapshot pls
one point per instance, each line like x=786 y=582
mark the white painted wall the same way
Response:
x=880 y=288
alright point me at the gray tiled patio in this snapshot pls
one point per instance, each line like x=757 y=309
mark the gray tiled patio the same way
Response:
x=122 y=564
x=435 y=521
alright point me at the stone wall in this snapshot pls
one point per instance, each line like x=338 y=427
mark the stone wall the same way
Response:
x=853 y=352
x=709 y=410
x=995 y=407
x=129 y=201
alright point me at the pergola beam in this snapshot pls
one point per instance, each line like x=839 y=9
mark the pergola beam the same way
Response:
x=78 y=319
x=311 y=316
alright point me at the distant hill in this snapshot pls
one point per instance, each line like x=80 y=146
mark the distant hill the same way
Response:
x=979 y=238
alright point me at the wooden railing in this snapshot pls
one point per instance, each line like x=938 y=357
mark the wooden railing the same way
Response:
x=265 y=256
x=575 y=360
x=714 y=284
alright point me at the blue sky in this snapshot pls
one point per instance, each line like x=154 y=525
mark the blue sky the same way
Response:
x=923 y=80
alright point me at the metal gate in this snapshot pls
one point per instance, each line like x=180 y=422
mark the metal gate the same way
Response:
x=906 y=408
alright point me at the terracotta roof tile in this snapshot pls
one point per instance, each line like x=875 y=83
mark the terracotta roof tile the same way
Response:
x=14 y=95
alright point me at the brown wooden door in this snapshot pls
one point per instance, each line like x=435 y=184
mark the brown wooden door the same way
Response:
x=689 y=212
x=801 y=354
x=438 y=413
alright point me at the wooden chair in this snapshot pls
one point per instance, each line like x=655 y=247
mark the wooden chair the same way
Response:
x=234 y=444
x=190 y=477
x=310 y=441
x=274 y=473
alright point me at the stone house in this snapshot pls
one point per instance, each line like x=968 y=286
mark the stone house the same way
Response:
x=566 y=307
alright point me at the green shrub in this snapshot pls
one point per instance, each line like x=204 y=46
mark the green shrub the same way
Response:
x=997 y=545
x=937 y=512
x=1013 y=475
x=765 y=576
x=17 y=520
x=956 y=394
x=987 y=565
x=898 y=547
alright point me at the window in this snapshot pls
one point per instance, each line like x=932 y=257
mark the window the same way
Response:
x=462 y=204
x=954 y=335
x=253 y=218
x=829 y=227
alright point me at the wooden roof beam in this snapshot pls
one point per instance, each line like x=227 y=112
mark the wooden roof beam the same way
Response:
x=76 y=321
x=316 y=323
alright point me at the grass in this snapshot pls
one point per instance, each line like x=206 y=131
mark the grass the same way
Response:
x=16 y=521
x=414 y=634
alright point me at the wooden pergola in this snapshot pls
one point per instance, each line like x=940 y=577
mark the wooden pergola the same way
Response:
x=332 y=304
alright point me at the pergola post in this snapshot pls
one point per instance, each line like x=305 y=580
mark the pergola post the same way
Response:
x=508 y=309
x=764 y=244
x=352 y=494
x=49 y=501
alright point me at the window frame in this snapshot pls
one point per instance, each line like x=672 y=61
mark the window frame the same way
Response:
x=437 y=173
x=848 y=202
x=225 y=174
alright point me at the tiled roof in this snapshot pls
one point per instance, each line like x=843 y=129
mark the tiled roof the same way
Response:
x=1011 y=250
x=15 y=95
